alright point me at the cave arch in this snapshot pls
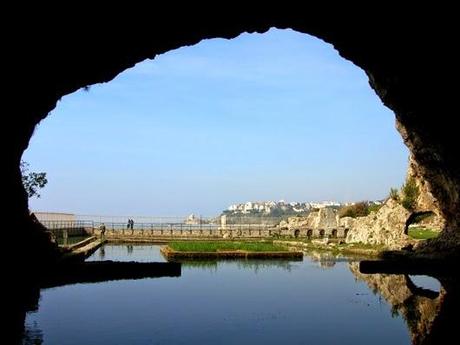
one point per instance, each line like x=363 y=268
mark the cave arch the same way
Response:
x=404 y=74
x=413 y=218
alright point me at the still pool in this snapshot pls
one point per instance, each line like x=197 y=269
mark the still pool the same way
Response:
x=320 y=300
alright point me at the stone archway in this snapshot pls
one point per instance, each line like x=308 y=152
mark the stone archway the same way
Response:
x=410 y=82
x=296 y=233
x=414 y=216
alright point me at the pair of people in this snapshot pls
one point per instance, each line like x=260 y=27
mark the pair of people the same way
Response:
x=130 y=224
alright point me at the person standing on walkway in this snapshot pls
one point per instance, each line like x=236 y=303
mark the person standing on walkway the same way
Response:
x=102 y=228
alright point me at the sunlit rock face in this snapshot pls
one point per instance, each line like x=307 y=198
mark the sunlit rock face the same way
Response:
x=385 y=227
x=388 y=226
x=407 y=61
x=425 y=201
x=324 y=218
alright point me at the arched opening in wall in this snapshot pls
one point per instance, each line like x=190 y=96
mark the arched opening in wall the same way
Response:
x=334 y=233
x=345 y=233
x=420 y=225
x=309 y=233
x=296 y=233
x=181 y=134
x=422 y=285
x=321 y=233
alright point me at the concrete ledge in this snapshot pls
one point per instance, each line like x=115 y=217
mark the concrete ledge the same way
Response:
x=171 y=254
x=81 y=253
x=81 y=243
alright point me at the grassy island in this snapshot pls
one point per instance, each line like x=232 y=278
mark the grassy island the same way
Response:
x=227 y=250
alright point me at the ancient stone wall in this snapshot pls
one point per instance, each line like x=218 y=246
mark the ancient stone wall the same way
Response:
x=386 y=226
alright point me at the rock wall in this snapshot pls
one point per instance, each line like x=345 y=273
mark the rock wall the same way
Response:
x=324 y=218
x=425 y=201
x=385 y=227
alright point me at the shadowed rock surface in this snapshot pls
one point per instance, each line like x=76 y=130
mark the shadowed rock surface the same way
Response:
x=408 y=61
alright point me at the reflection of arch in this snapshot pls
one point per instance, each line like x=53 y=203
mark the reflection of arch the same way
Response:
x=309 y=233
x=334 y=233
x=418 y=291
x=296 y=233
x=321 y=233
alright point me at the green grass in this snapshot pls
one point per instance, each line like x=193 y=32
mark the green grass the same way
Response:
x=422 y=233
x=213 y=246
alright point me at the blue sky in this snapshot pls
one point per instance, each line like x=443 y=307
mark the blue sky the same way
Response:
x=267 y=116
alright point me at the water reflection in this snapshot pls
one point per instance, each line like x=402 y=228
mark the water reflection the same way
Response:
x=102 y=253
x=254 y=266
x=419 y=307
x=32 y=335
x=128 y=252
x=324 y=259
x=225 y=302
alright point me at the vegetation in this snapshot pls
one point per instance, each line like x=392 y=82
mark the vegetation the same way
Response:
x=394 y=194
x=374 y=207
x=214 y=246
x=422 y=233
x=410 y=193
x=32 y=181
x=359 y=209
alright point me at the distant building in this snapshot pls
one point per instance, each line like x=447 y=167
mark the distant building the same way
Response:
x=192 y=220
x=54 y=216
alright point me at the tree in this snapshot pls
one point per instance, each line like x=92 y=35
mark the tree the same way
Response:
x=360 y=209
x=32 y=181
x=410 y=194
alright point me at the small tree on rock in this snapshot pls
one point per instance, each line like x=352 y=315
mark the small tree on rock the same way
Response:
x=394 y=194
x=32 y=181
x=410 y=193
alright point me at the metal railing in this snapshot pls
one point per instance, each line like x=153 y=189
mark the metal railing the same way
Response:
x=67 y=224
x=179 y=226
x=79 y=226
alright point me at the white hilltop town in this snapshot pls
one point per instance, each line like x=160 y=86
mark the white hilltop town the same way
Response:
x=269 y=207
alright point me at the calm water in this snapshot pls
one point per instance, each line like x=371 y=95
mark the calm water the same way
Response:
x=320 y=300
x=71 y=240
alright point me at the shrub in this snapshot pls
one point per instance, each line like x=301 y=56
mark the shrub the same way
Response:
x=410 y=193
x=374 y=207
x=394 y=194
x=359 y=209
